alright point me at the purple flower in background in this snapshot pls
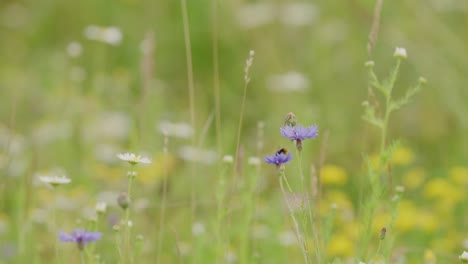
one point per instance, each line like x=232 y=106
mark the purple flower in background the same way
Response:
x=80 y=236
x=299 y=133
x=279 y=158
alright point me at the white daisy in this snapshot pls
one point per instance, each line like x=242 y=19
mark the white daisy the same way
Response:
x=133 y=159
x=54 y=180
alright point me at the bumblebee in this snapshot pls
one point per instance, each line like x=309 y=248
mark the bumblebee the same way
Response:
x=282 y=151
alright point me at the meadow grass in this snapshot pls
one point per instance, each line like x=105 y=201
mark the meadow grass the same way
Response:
x=174 y=82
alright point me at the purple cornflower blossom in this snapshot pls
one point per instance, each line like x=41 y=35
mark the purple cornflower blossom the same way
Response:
x=279 y=158
x=80 y=236
x=299 y=133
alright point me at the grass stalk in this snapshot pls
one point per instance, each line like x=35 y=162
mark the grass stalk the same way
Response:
x=191 y=93
x=163 y=199
x=300 y=238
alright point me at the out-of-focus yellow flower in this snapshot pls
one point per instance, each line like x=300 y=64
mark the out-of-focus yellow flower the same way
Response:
x=333 y=175
x=154 y=173
x=427 y=221
x=402 y=156
x=111 y=175
x=375 y=161
x=44 y=196
x=429 y=257
x=380 y=220
x=459 y=175
x=445 y=244
x=339 y=198
x=444 y=191
x=340 y=245
x=407 y=216
x=352 y=230
x=414 y=178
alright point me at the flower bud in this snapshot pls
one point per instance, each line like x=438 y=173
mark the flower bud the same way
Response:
x=400 y=53
x=123 y=200
x=383 y=231
x=422 y=80
x=290 y=119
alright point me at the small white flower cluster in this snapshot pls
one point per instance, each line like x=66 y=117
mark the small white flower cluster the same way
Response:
x=109 y=35
x=133 y=159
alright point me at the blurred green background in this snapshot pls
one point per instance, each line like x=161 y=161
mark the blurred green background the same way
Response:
x=83 y=80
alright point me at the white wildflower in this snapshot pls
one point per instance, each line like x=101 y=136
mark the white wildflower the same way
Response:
x=101 y=207
x=254 y=161
x=180 y=130
x=400 y=188
x=133 y=159
x=54 y=180
x=112 y=35
x=228 y=159
x=299 y=14
x=287 y=238
x=109 y=35
x=256 y=15
x=289 y=82
x=400 y=53
x=197 y=155
x=198 y=229
x=74 y=49
x=464 y=257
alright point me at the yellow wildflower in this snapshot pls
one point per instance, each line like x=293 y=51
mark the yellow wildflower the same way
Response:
x=407 y=216
x=340 y=245
x=402 y=156
x=427 y=221
x=429 y=257
x=154 y=173
x=444 y=191
x=333 y=175
x=459 y=175
x=413 y=178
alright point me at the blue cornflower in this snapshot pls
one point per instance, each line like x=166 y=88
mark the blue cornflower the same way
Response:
x=279 y=158
x=299 y=133
x=80 y=236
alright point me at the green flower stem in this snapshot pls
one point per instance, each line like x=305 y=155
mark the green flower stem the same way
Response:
x=220 y=198
x=127 y=215
x=54 y=223
x=300 y=238
x=82 y=256
x=306 y=211
x=388 y=108
x=118 y=242
x=249 y=200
